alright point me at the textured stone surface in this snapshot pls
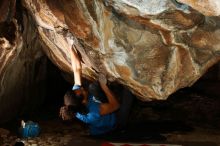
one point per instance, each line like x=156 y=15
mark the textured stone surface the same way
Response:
x=153 y=47
x=22 y=65
x=207 y=7
x=7 y=10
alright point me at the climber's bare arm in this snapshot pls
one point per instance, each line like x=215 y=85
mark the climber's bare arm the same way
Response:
x=75 y=62
x=112 y=105
x=77 y=68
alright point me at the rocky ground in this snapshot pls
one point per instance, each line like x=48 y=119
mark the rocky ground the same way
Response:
x=57 y=133
x=54 y=133
x=193 y=122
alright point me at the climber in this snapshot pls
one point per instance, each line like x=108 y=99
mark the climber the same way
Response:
x=100 y=116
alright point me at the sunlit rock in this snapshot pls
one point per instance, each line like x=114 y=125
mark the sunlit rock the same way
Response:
x=206 y=7
x=152 y=47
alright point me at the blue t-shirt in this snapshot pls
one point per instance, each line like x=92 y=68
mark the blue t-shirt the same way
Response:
x=98 y=124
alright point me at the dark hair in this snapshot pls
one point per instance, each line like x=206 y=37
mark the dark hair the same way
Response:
x=74 y=102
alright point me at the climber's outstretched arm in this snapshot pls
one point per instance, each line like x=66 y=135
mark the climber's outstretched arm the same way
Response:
x=75 y=62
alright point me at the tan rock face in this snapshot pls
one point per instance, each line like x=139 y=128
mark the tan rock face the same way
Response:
x=152 y=47
x=22 y=65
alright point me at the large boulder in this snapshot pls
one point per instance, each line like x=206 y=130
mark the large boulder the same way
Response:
x=152 y=47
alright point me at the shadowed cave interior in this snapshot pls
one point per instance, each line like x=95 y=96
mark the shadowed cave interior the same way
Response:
x=184 y=111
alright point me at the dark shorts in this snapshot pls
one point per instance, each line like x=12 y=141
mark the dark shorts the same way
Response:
x=126 y=101
x=96 y=90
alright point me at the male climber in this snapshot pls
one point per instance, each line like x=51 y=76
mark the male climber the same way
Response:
x=100 y=116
